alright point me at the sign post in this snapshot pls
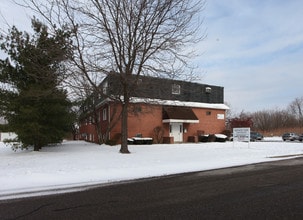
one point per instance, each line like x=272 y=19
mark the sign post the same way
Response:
x=241 y=134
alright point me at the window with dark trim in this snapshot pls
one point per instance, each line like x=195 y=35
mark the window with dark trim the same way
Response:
x=137 y=109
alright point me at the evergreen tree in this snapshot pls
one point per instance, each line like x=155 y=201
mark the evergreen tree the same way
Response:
x=31 y=99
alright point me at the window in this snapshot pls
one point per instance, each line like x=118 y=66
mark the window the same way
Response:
x=104 y=90
x=208 y=90
x=220 y=116
x=139 y=81
x=91 y=137
x=208 y=113
x=104 y=87
x=137 y=109
x=176 y=89
x=104 y=114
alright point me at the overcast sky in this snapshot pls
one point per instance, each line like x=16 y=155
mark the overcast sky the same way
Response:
x=254 y=49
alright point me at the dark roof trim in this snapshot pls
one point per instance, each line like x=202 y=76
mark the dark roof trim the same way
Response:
x=179 y=114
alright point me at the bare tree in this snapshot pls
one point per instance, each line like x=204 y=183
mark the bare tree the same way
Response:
x=270 y=120
x=131 y=38
x=262 y=120
x=296 y=108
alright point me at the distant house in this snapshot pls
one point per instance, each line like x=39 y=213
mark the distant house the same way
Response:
x=164 y=109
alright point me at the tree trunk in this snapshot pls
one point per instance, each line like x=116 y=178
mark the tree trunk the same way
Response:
x=36 y=148
x=99 y=133
x=124 y=124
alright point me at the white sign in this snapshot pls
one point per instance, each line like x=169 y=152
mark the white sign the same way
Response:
x=220 y=116
x=241 y=134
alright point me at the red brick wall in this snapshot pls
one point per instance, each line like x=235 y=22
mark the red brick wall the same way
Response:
x=87 y=128
x=144 y=118
x=208 y=123
x=150 y=117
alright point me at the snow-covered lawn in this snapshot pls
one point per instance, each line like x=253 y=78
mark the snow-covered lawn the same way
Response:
x=77 y=163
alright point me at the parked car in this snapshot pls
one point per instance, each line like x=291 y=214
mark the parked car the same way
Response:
x=290 y=137
x=255 y=136
x=301 y=137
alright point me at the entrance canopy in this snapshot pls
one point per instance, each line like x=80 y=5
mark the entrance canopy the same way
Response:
x=179 y=114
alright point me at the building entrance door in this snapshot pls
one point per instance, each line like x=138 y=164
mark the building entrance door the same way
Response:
x=176 y=131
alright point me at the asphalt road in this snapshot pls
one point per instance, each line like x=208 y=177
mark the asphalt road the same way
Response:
x=262 y=191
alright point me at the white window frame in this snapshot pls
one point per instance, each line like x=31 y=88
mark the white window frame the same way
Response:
x=105 y=86
x=176 y=89
x=104 y=114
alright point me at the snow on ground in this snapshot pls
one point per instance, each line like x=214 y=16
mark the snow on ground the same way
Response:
x=78 y=163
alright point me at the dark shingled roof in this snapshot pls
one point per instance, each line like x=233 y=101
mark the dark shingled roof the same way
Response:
x=182 y=113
